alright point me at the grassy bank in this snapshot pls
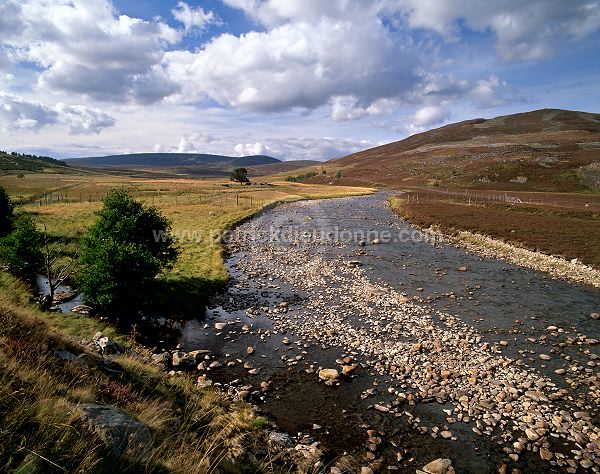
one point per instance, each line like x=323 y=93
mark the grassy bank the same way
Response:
x=193 y=430
x=553 y=230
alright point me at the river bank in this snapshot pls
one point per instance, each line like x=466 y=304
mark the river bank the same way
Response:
x=559 y=238
x=486 y=246
x=572 y=270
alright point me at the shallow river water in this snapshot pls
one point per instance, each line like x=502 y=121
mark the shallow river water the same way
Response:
x=278 y=257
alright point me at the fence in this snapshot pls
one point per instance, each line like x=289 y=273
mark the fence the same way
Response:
x=470 y=197
x=153 y=198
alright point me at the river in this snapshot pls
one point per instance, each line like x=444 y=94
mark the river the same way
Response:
x=456 y=355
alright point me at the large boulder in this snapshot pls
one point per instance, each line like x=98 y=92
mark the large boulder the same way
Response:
x=439 y=466
x=181 y=358
x=329 y=375
x=119 y=431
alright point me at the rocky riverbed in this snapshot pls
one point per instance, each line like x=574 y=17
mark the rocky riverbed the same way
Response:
x=392 y=352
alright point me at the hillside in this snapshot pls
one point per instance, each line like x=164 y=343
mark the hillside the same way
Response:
x=281 y=167
x=17 y=162
x=542 y=150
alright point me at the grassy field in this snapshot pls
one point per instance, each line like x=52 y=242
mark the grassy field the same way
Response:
x=198 y=208
x=558 y=224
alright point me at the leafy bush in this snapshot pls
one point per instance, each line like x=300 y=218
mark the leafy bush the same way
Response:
x=122 y=254
x=20 y=249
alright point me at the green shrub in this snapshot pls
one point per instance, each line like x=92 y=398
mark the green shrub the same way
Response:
x=122 y=254
x=301 y=177
x=20 y=249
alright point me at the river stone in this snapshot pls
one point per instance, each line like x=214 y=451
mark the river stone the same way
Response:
x=280 y=439
x=81 y=309
x=329 y=375
x=119 y=431
x=179 y=358
x=439 y=466
x=595 y=315
x=220 y=326
x=545 y=454
x=104 y=345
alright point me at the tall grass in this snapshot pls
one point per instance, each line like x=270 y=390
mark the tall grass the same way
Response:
x=194 y=430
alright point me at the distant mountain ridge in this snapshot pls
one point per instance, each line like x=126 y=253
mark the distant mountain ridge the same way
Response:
x=171 y=160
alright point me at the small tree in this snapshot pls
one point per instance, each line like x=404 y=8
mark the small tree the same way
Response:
x=56 y=269
x=6 y=213
x=240 y=175
x=123 y=253
x=20 y=249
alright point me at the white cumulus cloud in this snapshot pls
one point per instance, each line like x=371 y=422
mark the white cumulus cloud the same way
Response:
x=524 y=30
x=250 y=149
x=430 y=115
x=20 y=114
x=85 y=47
x=298 y=65
x=193 y=18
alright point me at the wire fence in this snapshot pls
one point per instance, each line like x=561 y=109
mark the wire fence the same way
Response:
x=223 y=199
x=470 y=197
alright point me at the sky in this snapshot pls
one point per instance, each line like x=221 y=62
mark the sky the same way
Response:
x=294 y=79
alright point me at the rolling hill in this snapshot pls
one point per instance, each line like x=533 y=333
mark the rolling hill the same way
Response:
x=190 y=164
x=11 y=163
x=542 y=150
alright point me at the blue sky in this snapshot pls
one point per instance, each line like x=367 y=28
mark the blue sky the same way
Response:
x=294 y=79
